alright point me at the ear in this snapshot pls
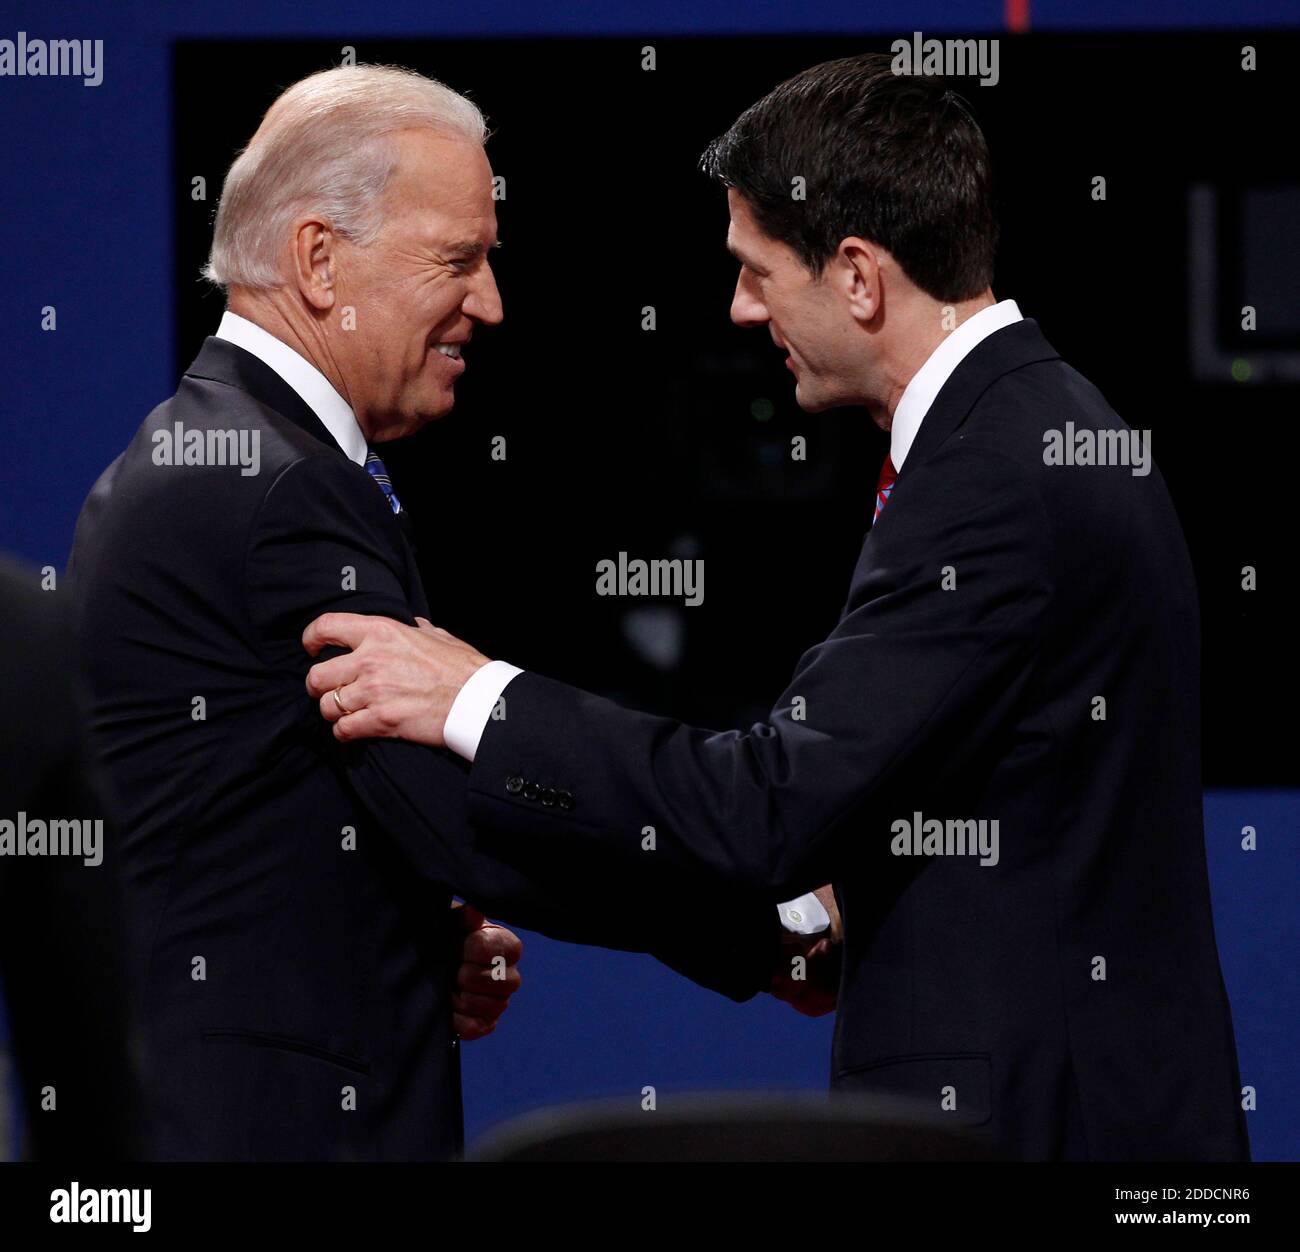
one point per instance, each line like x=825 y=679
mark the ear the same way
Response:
x=315 y=261
x=856 y=269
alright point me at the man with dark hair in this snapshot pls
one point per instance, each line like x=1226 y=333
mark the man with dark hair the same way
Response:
x=995 y=755
x=897 y=159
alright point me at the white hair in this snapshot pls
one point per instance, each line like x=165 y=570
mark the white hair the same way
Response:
x=321 y=148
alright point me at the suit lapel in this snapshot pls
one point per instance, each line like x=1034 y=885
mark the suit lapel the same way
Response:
x=1005 y=350
x=225 y=362
x=408 y=530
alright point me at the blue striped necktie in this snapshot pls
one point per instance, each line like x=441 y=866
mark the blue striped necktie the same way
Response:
x=376 y=469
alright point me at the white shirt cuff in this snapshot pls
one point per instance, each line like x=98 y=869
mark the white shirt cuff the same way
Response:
x=473 y=705
x=804 y=916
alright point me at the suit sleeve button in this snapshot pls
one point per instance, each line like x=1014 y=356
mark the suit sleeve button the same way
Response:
x=514 y=784
x=564 y=799
x=548 y=796
x=530 y=791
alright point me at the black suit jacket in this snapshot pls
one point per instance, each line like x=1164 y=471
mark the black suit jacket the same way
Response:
x=63 y=970
x=1069 y=998
x=293 y=893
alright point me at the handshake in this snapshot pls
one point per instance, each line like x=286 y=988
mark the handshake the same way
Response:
x=807 y=976
x=401 y=682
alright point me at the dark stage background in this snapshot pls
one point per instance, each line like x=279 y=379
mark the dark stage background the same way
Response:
x=675 y=441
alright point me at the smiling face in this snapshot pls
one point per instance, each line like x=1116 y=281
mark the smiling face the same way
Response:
x=420 y=288
x=808 y=318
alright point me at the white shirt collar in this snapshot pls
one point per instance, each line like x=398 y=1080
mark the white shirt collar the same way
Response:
x=928 y=381
x=316 y=390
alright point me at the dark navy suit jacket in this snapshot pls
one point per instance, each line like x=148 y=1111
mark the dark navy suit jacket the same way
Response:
x=1020 y=644
x=290 y=894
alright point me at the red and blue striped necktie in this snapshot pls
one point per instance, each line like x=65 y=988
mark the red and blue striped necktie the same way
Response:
x=888 y=475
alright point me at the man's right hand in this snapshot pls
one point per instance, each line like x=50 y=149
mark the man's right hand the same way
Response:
x=807 y=976
x=488 y=975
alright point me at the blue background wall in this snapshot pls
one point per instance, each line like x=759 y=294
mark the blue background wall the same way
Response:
x=85 y=226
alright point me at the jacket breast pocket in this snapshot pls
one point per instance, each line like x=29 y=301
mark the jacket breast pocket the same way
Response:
x=950 y=1085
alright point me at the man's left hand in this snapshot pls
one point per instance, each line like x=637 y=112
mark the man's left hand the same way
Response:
x=398 y=682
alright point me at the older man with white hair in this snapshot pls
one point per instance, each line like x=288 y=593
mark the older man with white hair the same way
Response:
x=303 y=984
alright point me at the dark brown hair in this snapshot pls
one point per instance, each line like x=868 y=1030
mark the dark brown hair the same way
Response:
x=893 y=158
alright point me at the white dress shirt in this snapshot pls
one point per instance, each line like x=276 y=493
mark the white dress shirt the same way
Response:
x=928 y=381
x=317 y=391
x=470 y=711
